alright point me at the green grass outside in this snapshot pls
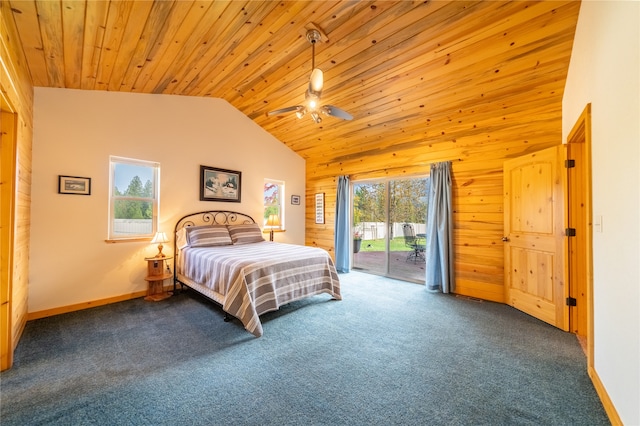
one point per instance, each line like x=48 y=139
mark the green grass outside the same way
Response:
x=396 y=244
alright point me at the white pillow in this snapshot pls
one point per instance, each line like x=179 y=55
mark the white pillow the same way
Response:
x=181 y=239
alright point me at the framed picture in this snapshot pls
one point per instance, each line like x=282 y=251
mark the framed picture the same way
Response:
x=219 y=184
x=295 y=200
x=320 y=207
x=74 y=185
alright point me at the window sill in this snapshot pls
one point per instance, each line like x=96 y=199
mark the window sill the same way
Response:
x=129 y=240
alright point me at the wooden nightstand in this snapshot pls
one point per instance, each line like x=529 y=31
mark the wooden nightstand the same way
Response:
x=156 y=274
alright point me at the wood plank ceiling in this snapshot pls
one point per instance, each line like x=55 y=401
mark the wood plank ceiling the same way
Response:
x=411 y=73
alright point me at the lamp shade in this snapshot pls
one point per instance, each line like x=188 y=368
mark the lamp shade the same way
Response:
x=273 y=220
x=160 y=238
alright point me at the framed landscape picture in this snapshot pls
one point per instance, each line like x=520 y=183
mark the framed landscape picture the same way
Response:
x=220 y=184
x=74 y=185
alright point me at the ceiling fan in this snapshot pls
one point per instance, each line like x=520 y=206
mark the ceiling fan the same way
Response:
x=311 y=104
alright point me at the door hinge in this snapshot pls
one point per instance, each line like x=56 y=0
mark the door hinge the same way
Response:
x=570 y=232
x=571 y=301
x=569 y=163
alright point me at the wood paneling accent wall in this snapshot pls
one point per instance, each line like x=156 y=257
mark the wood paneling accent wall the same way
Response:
x=17 y=96
x=477 y=194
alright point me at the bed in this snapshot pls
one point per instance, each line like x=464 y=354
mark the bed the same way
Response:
x=223 y=256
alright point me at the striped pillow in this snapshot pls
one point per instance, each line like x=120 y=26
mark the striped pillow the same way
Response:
x=203 y=236
x=245 y=234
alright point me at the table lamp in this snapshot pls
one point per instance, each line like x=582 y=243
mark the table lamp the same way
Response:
x=273 y=221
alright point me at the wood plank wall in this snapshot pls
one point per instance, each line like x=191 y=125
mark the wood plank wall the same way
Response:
x=477 y=194
x=17 y=91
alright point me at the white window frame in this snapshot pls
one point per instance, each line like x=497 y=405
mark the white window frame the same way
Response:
x=155 y=200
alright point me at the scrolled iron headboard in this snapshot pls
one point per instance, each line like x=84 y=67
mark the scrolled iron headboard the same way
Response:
x=213 y=217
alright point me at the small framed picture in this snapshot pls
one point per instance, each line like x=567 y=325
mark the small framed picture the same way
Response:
x=219 y=184
x=295 y=200
x=74 y=185
x=320 y=207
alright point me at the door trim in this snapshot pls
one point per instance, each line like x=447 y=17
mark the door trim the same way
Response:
x=7 y=223
x=581 y=133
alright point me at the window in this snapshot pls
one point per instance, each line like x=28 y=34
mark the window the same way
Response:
x=133 y=198
x=273 y=198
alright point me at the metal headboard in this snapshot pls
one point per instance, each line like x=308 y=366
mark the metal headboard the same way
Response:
x=213 y=217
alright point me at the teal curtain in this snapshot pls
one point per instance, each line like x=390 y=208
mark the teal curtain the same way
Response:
x=342 y=230
x=439 y=246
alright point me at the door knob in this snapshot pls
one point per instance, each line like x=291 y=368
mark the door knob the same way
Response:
x=505 y=239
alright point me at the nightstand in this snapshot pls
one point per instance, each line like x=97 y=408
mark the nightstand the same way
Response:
x=157 y=272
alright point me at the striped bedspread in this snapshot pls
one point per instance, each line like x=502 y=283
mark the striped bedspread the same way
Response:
x=260 y=277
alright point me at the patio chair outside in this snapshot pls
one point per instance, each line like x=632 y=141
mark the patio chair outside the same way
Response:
x=416 y=244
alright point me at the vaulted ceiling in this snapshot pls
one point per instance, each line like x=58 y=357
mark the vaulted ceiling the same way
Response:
x=410 y=72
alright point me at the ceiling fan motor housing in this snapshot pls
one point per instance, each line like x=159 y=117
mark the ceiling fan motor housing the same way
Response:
x=314 y=36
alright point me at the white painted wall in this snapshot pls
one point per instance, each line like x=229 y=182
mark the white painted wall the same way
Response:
x=605 y=71
x=76 y=131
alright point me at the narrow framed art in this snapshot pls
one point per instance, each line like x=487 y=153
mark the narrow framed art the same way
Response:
x=220 y=184
x=320 y=207
x=74 y=185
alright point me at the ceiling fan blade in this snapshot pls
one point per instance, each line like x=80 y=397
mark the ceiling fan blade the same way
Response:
x=336 y=112
x=316 y=81
x=287 y=109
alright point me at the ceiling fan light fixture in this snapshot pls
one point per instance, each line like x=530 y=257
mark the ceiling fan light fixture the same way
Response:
x=313 y=93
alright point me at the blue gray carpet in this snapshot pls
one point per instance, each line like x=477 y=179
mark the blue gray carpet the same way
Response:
x=390 y=353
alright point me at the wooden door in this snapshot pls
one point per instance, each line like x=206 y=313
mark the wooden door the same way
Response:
x=534 y=235
x=577 y=257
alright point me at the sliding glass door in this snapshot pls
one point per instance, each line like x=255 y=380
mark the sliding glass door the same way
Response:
x=389 y=223
x=370 y=227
